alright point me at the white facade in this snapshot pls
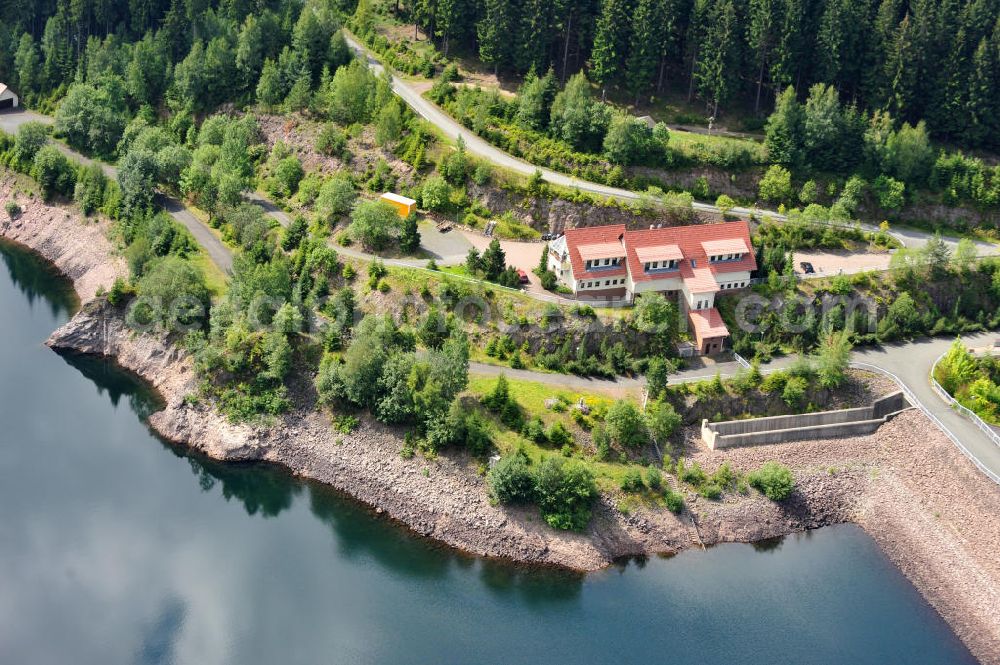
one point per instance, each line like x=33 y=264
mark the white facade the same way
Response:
x=8 y=98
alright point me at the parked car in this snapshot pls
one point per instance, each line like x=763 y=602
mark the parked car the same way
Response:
x=522 y=276
x=807 y=268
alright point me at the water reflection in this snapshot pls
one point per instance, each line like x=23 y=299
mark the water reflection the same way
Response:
x=119 y=549
x=111 y=379
x=37 y=280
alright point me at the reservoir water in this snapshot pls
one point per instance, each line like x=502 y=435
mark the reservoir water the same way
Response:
x=118 y=548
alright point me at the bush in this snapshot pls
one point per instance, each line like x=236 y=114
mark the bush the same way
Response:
x=632 y=480
x=287 y=174
x=435 y=193
x=373 y=223
x=176 y=291
x=795 y=391
x=654 y=478
x=54 y=173
x=332 y=141
x=29 y=140
x=710 y=491
x=511 y=481
x=773 y=480
x=625 y=425
x=12 y=209
x=692 y=475
x=776 y=185
x=557 y=433
x=674 y=501
x=565 y=491
x=335 y=198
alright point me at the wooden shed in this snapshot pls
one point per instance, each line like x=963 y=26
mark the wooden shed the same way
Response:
x=8 y=98
x=404 y=206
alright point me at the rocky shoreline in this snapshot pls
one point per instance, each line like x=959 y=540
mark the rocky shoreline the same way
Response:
x=929 y=509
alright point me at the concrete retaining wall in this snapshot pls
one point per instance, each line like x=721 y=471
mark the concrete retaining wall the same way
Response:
x=821 y=425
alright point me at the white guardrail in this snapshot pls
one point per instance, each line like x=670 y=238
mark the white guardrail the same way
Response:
x=969 y=414
x=944 y=428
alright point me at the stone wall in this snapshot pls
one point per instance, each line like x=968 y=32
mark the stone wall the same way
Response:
x=821 y=425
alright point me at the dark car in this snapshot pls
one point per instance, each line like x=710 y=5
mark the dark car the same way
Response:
x=807 y=268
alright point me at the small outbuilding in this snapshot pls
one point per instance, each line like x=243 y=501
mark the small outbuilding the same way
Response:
x=404 y=206
x=8 y=98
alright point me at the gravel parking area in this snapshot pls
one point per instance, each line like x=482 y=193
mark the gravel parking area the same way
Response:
x=827 y=264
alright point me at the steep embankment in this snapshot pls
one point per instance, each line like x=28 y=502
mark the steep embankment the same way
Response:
x=932 y=513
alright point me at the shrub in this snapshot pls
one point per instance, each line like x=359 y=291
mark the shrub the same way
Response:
x=654 y=478
x=774 y=480
x=176 y=290
x=674 y=501
x=373 y=223
x=345 y=423
x=710 y=491
x=795 y=391
x=557 y=433
x=12 y=209
x=632 y=480
x=53 y=172
x=332 y=141
x=661 y=420
x=776 y=185
x=288 y=173
x=565 y=491
x=435 y=193
x=511 y=481
x=31 y=136
x=693 y=475
x=625 y=425
x=534 y=430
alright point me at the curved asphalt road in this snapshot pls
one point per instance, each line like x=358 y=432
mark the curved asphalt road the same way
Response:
x=222 y=256
x=909 y=362
x=453 y=129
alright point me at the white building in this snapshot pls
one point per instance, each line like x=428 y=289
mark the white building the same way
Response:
x=8 y=98
x=687 y=263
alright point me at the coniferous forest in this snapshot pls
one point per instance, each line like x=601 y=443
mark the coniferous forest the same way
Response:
x=933 y=60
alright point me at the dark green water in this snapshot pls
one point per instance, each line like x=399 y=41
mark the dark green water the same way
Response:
x=116 y=548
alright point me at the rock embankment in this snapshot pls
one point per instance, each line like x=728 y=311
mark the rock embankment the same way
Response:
x=933 y=514
x=78 y=247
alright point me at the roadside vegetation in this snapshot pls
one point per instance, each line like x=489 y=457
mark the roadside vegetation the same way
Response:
x=973 y=380
x=930 y=291
x=860 y=154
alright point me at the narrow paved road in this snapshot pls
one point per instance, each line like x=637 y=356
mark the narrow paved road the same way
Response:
x=909 y=362
x=222 y=256
x=912 y=238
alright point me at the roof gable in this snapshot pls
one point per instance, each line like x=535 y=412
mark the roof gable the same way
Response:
x=691 y=240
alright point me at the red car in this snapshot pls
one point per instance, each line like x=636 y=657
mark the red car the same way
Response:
x=522 y=276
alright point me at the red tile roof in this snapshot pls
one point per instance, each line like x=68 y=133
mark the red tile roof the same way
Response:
x=593 y=235
x=725 y=246
x=707 y=323
x=689 y=239
x=658 y=253
x=699 y=280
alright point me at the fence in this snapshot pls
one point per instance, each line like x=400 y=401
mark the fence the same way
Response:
x=944 y=428
x=967 y=413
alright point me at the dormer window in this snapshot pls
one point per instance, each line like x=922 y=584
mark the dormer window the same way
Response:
x=660 y=265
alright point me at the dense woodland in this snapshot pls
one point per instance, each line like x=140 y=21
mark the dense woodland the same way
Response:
x=922 y=59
